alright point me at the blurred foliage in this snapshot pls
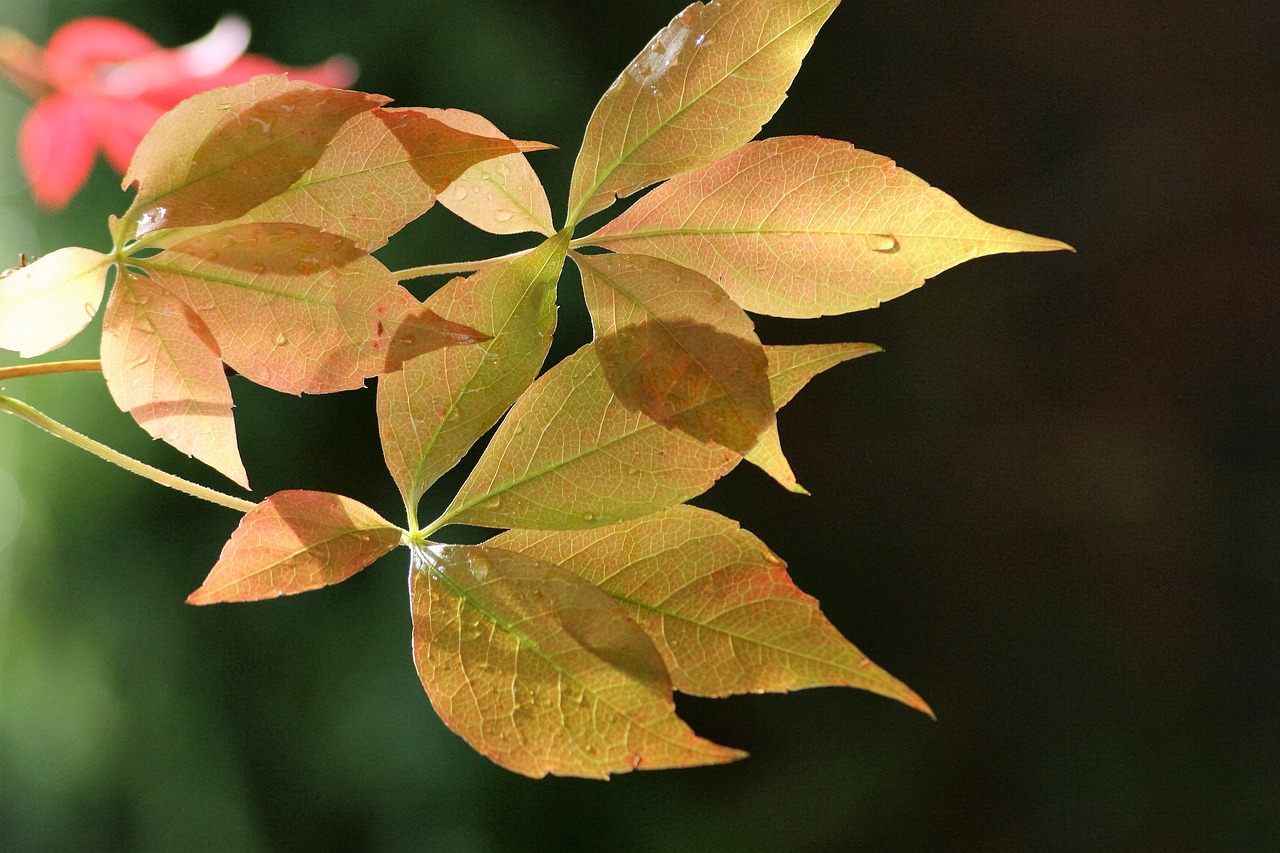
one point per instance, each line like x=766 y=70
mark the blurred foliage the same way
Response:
x=1052 y=507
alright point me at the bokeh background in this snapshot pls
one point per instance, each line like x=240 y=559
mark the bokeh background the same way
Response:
x=1052 y=506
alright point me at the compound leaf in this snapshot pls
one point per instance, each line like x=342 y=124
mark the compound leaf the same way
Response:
x=801 y=226
x=293 y=542
x=300 y=310
x=717 y=603
x=49 y=301
x=432 y=411
x=161 y=366
x=703 y=86
x=542 y=672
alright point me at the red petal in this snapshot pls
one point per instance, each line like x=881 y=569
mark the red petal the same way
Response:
x=339 y=72
x=77 y=51
x=56 y=144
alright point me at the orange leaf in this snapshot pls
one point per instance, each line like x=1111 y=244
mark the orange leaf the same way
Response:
x=502 y=195
x=46 y=303
x=542 y=672
x=384 y=169
x=717 y=603
x=675 y=346
x=293 y=542
x=162 y=367
x=703 y=86
x=218 y=155
x=300 y=310
x=801 y=226
x=431 y=412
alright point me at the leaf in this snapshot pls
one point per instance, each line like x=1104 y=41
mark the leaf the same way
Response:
x=674 y=346
x=161 y=366
x=385 y=168
x=570 y=454
x=790 y=368
x=717 y=603
x=430 y=413
x=218 y=155
x=300 y=310
x=502 y=195
x=46 y=303
x=293 y=542
x=702 y=87
x=542 y=672
x=800 y=226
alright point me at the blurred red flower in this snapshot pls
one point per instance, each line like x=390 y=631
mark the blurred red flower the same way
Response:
x=100 y=84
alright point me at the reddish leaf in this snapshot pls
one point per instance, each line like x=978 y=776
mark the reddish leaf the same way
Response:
x=383 y=169
x=46 y=303
x=702 y=87
x=501 y=196
x=294 y=542
x=716 y=602
x=674 y=346
x=801 y=226
x=300 y=310
x=220 y=154
x=542 y=672
x=430 y=413
x=162 y=366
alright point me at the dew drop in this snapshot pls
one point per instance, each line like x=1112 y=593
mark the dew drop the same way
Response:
x=90 y=309
x=480 y=566
x=259 y=267
x=502 y=216
x=139 y=361
x=211 y=255
x=281 y=340
x=588 y=517
x=492 y=503
x=460 y=193
x=885 y=244
x=307 y=266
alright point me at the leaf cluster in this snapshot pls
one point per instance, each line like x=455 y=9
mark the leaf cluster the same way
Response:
x=554 y=647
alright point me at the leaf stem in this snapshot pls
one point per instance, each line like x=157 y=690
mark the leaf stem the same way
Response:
x=88 y=365
x=164 y=478
x=461 y=267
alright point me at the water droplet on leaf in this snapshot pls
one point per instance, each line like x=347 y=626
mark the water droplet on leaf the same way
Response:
x=885 y=244
x=281 y=340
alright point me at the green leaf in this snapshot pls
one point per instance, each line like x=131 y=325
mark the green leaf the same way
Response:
x=48 y=302
x=503 y=195
x=542 y=672
x=703 y=86
x=432 y=411
x=674 y=346
x=385 y=167
x=162 y=367
x=800 y=226
x=570 y=454
x=293 y=542
x=221 y=153
x=300 y=310
x=717 y=603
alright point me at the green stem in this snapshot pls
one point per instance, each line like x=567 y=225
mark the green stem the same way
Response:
x=461 y=267
x=88 y=365
x=164 y=478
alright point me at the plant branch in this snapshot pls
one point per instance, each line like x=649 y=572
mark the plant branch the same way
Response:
x=461 y=267
x=18 y=371
x=164 y=478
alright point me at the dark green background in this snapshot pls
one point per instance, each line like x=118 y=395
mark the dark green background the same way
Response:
x=1052 y=506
